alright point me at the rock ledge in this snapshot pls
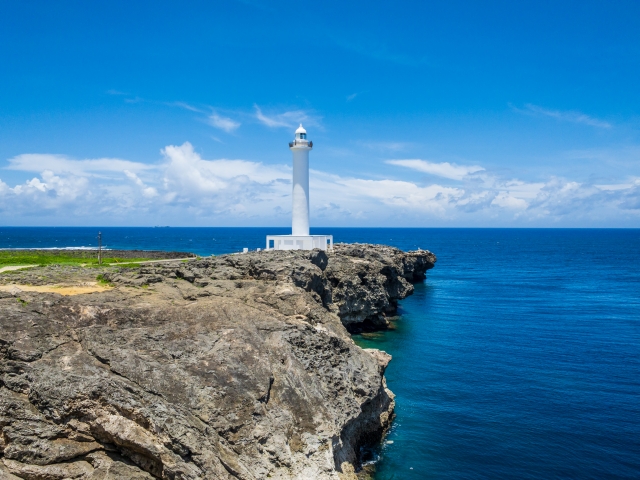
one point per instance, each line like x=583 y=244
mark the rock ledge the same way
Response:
x=233 y=367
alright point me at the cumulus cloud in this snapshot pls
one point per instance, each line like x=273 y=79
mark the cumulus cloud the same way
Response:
x=559 y=197
x=382 y=198
x=630 y=198
x=223 y=123
x=567 y=116
x=48 y=195
x=444 y=169
x=187 y=166
x=182 y=187
x=401 y=194
x=505 y=200
x=54 y=186
x=476 y=201
x=149 y=192
x=218 y=187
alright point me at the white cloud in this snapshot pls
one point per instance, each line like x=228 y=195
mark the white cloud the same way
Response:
x=184 y=188
x=223 y=187
x=184 y=162
x=223 y=123
x=615 y=187
x=559 y=197
x=506 y=200
x=567 y=116
x=288 y=119
x=48 y=195
x=351 y=97
x=631 y=197
x=444 y=169
x=149 y=192
x=184 y=106
x=476 y=201
x=36 y=162
x=366 y=198
x=520 y=189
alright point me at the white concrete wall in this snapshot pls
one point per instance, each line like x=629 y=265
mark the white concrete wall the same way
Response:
x=300 y=207
x=291 y=242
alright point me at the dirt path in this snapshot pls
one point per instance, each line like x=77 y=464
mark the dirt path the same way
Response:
x=86 y=287
x=15 y=267
x=64 y=288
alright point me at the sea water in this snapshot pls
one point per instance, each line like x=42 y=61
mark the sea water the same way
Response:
x=518 y=357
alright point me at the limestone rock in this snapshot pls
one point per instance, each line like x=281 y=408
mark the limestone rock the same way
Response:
x=234 y=367
x=55 y=471
x=362 y=283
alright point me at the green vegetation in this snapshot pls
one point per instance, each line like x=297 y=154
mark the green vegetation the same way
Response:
x=53 y=257
x=14 y=272
x=103 y=281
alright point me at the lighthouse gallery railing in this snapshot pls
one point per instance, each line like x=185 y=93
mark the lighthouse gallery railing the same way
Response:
x=306 y=144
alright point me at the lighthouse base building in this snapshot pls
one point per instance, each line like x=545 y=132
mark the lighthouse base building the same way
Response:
x=299 y=242
x=300 y=238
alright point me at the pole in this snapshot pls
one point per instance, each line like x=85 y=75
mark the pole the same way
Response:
x=99 y=248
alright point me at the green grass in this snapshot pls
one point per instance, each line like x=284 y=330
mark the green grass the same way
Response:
x=103 y=281
x=89 y=258
x=14 y=272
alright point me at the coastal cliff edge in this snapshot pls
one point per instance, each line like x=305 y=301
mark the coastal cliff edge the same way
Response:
x=230 y=367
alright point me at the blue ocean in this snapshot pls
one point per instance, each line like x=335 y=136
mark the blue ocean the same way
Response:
x=517 y=358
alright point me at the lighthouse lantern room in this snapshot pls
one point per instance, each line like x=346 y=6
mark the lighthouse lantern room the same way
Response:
x=300 y=238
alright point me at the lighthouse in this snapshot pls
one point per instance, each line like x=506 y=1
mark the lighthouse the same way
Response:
x=300 y=238
x=300 y=147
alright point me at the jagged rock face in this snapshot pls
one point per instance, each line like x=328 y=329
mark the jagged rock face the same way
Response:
x=361 y=283
x=367 y=281
x=232 y=367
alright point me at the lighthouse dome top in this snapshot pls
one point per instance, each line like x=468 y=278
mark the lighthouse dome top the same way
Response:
x=301 y=139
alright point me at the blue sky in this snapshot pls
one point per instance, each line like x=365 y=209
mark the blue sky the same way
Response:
x=519 y=114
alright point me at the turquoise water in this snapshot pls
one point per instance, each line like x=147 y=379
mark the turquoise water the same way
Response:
x=518 y=357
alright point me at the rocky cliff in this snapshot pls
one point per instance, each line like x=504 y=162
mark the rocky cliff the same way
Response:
x=233 y=367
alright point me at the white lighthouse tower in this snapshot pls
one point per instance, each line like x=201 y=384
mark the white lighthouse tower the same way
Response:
x=300 y=148
x=300 y=238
